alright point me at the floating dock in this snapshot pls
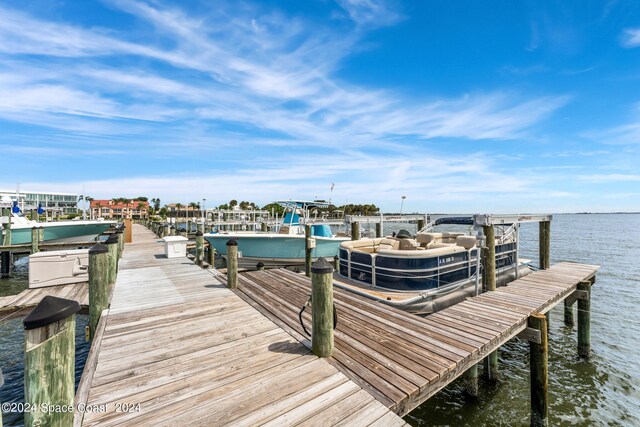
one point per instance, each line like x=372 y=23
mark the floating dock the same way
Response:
x=176 y=347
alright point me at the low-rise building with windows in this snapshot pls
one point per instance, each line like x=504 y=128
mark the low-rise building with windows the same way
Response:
x=60 y=203
x=134 y=209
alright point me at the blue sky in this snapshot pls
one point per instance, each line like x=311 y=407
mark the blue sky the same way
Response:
x=461 y=106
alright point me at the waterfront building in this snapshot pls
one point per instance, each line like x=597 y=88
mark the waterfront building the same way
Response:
x=134 y=209
x=59 y=203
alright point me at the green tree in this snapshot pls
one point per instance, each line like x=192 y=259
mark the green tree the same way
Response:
x=277 y=208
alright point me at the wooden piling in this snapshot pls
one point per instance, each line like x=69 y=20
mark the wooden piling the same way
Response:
x=232 y=264
x=336 y=263
x=199 y=247
x=211 y=256
x=112 y=246
x=128 y=236
x=98 y=284
x=166 y=230
x=379 y=229
x=5 y=264
x=120 y=235
x=172 y=231
x=35 y=240
x=263 y=227
x=489 y=259
x=539 y=376
x=420 y=224
x=584 y=321
x=490 y=371
x=49 y=362
x=307 y=250
x=322 y=308
x=355 y=230
x=568 y=313
x=545 y=244
x=470 y=379
x=41 y=233
x=6 y=213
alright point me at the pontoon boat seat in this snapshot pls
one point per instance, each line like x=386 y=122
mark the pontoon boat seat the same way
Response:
x=437 y=240
x=407 y=245
x=424 y=239
x=388 y=243
x=466 y=242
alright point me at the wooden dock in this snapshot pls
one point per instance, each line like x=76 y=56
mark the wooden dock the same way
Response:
x=23 y=302
x=176 y=347
x=402 y=359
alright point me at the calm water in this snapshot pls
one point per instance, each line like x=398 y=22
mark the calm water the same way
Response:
x=12 y=342
x=602 y=391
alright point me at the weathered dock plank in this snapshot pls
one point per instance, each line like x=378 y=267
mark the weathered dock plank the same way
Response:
x=403 y=359
x=179 y=348
x=29 y=298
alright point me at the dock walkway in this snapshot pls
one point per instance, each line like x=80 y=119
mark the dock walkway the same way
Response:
x=178 y=348
x=403 y=359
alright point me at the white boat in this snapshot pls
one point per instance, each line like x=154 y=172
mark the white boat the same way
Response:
x=286 y=246
x=55 y=231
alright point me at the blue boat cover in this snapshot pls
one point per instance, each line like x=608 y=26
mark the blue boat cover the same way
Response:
x=287 y=219
x=321 y=230
x=460 y=220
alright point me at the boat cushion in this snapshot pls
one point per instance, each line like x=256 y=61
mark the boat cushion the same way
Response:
x=425 y=238
x=466 y=242
x=407 y=245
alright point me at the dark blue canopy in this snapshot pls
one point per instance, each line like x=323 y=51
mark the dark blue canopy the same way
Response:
x=459 y=220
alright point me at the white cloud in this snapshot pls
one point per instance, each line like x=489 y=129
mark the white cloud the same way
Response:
x=241 y=76
x=232 y=83
x=630 y=38
x=609 y=178
x=373 y=13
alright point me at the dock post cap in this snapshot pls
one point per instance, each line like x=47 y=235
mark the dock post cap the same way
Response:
x=321 y=266
x=50 y=310
x=34 y=227
x=199 y=234
x=42 y=226
x=111 y=240
x=260 y=265
x=172 y=227
x=98 y=248
x=232 y=242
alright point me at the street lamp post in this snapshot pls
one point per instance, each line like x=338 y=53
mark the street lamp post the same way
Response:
x=204 y=209
x=402 y=204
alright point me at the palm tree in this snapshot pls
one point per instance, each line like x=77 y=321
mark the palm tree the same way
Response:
x=141 y=206
x=178 y=207
x=193 y=206
x=89 y=200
